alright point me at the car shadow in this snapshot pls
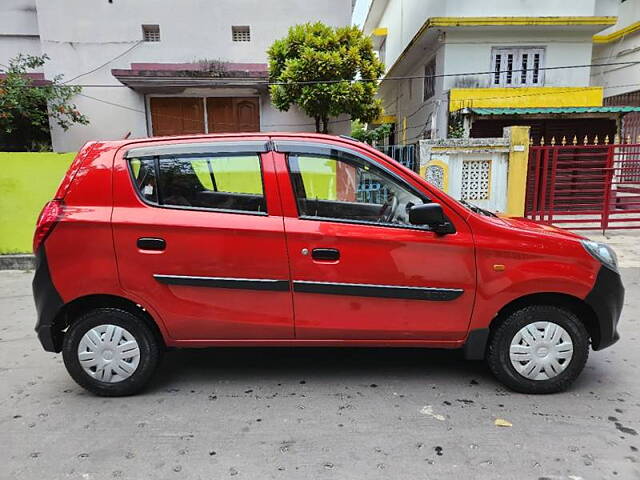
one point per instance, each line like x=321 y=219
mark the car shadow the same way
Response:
x=199 y=368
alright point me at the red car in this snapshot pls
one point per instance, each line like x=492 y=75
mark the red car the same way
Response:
x=302 y=239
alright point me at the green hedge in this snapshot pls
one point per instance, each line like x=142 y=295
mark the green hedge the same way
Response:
x=27 y=181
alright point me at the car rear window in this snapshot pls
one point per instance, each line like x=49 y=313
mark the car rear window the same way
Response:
x=219 y=182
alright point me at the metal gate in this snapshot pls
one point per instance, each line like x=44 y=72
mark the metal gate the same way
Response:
x=585 y=187
x=404 y=154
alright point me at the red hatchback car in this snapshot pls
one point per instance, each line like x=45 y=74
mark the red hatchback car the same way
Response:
x=302 y=239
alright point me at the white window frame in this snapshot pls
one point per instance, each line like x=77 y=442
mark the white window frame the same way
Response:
x=510 y=63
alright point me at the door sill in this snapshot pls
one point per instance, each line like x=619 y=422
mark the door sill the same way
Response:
x=316 y=343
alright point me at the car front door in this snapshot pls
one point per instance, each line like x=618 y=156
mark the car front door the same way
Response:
x=359 y=270
x=199 y=238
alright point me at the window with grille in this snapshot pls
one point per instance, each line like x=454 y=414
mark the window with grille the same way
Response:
x=151 y=33
x=429 y=80
x=241 y=33
x=476 y=178
x=514 y=67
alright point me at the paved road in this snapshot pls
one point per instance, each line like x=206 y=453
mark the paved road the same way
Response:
x=332 y=413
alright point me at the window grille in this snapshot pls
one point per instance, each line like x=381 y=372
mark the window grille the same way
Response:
x=241 y=33
x=151 y=33
x=429 y=80
x=476 y=176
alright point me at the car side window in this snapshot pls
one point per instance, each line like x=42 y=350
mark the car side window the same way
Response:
x=220 y=182
x=348 y=188
x=144 y=175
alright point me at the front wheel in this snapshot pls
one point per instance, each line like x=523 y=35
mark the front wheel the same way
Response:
x=110 y=352
x=539 y=349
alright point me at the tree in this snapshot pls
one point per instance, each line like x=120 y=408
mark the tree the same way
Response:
x=371 y=136
x=326 y=72
x=25 y=108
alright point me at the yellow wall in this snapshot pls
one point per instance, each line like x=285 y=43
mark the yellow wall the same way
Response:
x=519 y=97
x=27 y=181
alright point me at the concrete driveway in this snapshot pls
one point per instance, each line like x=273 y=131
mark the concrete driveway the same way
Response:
x=313 y=413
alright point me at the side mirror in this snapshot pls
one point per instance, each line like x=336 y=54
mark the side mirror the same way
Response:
x=430 y=214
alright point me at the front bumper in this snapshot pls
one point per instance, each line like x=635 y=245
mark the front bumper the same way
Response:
x=606 y=299
x=48 y=304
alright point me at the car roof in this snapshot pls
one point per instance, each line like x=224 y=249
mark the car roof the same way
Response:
x=235 y=136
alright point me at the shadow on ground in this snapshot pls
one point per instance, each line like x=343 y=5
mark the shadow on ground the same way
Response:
x=201 y=366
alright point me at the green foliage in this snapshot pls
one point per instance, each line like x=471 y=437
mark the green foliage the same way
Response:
x=24 y=107
x=456 y=126
x=373 y=136
x=315 y=52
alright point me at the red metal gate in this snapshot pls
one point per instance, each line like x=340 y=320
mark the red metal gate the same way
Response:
x=585 y=187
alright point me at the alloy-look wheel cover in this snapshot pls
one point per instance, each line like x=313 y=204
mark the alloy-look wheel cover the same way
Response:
x=541 y=350
x=109 y=353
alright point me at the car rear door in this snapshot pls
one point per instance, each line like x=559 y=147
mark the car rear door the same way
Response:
x=199 y=238
x=359 y=270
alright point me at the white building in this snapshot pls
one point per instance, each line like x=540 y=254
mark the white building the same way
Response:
x=153 y=67
x=487 y=61
x=620 y=43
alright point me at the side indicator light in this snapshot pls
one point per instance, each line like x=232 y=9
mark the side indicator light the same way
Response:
x=499 y=268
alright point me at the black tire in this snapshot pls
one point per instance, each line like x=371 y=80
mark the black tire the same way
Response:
x=150 y=351
x=500 y=342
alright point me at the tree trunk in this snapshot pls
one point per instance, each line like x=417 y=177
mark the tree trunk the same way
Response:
x=317 y=123
x=325 y=124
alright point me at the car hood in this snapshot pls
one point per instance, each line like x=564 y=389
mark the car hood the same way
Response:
x=535 y=227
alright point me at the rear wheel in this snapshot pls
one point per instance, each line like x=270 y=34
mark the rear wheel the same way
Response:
x=110 y=352
x=539 y=349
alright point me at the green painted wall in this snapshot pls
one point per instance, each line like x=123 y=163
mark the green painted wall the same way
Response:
x=27 y=181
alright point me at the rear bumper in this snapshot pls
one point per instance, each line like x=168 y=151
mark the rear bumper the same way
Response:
x=606 y=299
x=48 y=304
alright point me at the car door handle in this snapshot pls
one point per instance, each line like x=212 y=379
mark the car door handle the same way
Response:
x=330 y=254
x=149 y=243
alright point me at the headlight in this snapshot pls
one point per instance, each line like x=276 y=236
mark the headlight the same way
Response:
x=603 y=253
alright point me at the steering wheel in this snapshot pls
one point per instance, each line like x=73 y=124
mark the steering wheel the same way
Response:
x=389 y=207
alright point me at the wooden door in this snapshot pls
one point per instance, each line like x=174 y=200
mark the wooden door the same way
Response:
x=247 y=114
x=176 y=115
x=220 y=115
x=233 y=114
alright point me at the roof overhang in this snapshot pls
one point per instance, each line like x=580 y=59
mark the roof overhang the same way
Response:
x=617 y=34
x=524 y=97
x=551 y=112
x=597 y=22
x=154 y=76
x=36 y=79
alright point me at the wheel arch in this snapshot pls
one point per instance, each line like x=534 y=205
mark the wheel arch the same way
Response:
x=475 y=347
x=575 y=305
x=74 y=309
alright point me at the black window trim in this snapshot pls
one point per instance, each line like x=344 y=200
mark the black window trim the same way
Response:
x=335 y=151
x=199 y=152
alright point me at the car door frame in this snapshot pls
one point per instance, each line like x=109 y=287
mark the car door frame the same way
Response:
x=284 y=145
x=126 y=195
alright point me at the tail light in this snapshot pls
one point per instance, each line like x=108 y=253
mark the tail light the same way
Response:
x=47 y=220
